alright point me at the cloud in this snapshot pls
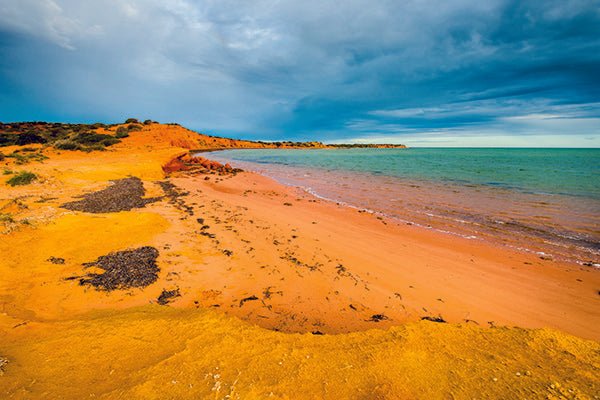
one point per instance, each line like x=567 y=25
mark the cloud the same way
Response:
x=301 y=70
x=45 y=19
x=491 y=111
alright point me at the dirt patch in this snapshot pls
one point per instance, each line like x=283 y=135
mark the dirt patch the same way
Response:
x=124 y=269
x=123 y=195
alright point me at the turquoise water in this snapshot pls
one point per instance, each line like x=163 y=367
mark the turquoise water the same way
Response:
x=555 y=171
x=540 y=200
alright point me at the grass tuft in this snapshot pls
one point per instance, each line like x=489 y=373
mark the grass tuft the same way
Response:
x=22 y=178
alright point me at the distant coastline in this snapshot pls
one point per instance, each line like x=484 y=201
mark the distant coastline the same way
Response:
x=85 y=137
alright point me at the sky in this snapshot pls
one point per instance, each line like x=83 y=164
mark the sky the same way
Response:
x=422 y=73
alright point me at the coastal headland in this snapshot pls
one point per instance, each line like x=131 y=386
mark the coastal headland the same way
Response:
x=133 y=269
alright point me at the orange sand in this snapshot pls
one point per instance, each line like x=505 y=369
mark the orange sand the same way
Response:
x=312 y=266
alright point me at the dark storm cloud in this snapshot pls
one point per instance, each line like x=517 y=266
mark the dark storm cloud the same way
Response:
x=348 y=70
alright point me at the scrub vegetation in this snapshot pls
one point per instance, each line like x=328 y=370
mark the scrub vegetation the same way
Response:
x=22 y=178
x=71 y=137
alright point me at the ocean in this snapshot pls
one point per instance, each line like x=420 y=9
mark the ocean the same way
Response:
x=539 y=200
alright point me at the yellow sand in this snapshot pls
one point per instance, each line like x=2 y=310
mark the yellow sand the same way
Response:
x=165 y=353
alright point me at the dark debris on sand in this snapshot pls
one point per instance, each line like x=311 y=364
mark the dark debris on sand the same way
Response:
x=251 y=298
x=3 y=363
x=125 y=269
x=377 y=317
x=123 y=195
x=434 y=319
x=174 y=195
x=167 y=296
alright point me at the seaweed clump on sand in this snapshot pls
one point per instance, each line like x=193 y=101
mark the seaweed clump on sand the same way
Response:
x=377 y=318
x=125 y=269
x=434 y=319
x=174 y=195
x=123 y=195
x=167 y=296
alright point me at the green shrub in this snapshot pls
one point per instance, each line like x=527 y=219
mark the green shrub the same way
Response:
x=87 y=138
x=7 y=172
x=2 y=156
x=132 y=121
x=134 y=127
x=67 y=144
x=8 y=139
x=29 y=138
x=122 y=132
x=110 y=141
x=57 y=134
x=94 y=147
x=79 y=128
x=21 y=159
x=22 y=178
x=148 y=122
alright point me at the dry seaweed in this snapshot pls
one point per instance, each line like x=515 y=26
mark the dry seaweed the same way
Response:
x=434 y=319
x=251 y=298
x=125 y=269
x=378 y=317
x=174 y=195
x=167 y=296
x=123 y=195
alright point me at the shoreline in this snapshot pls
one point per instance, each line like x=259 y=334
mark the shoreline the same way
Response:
x=544 y=246
x=491 y=260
